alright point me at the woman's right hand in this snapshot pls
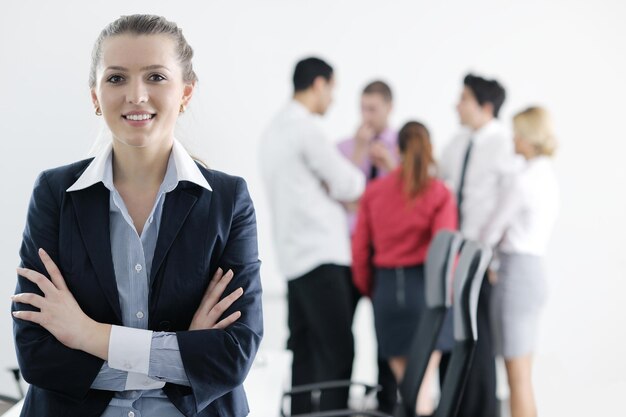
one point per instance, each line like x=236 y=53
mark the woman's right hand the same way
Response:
x=211 y=308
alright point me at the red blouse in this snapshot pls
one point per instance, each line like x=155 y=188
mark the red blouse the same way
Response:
x=393 y=231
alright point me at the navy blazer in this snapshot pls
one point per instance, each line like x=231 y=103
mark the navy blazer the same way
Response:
x=200 y=231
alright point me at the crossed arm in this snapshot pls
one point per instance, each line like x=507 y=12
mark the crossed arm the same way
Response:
x=60 y=314
x=214 y=355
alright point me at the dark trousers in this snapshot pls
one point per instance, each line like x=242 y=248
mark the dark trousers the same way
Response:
x=320 y=326
x=388 y=395
x=479 y=396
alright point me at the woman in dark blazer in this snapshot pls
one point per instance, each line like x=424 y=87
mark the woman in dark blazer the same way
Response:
x=119 y=306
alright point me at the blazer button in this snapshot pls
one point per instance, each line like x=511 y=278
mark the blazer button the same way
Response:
x=164 y=326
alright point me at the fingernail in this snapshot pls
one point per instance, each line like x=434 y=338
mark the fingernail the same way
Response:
x=16 y=313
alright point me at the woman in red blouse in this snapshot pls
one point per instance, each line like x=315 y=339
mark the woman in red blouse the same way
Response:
x=398 y=217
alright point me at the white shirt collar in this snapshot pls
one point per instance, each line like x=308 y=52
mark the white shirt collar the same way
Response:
x=298 y=108
x=100 y=169
x=490 y=127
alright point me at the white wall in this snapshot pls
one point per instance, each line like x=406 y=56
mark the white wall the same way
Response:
x=566 y=55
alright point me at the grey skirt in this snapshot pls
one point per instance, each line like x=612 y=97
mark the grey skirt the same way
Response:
x=517 y=300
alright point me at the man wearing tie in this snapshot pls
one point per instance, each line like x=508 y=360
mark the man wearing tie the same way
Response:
x=475 y=164
x=373 y=149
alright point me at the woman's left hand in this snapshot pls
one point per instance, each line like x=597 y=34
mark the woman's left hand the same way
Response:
x=59 y=312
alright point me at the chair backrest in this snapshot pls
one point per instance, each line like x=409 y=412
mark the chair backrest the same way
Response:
x=468 y=279
x=437 y=281
x=439 y=266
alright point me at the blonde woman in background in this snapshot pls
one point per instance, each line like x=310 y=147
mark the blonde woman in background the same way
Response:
x=520 y=232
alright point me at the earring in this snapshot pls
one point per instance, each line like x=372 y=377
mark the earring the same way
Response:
x=98 y=111
x=182 y=108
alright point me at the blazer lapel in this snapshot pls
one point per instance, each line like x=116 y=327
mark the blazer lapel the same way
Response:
x=92 y=211
x=178 y=203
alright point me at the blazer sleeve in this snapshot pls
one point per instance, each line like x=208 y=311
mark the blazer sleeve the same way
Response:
x=44 y=361
x=362 y=249
x=217 y=361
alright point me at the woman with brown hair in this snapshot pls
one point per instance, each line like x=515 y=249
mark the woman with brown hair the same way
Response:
x=398 y=217
x=139 y=289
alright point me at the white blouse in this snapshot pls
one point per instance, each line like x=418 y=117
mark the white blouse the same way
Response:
x=526 y=211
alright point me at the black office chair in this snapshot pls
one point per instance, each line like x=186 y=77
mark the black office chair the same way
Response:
x=439 y=267
x=475 y=260
x=10 y=399
x=438 y=270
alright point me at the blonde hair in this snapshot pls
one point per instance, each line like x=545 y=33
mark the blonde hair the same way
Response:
x=535 y=126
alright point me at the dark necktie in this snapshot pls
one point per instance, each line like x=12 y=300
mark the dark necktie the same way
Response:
x=459 y=196
x=374 y=168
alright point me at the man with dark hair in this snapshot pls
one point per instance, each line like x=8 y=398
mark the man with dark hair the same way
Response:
x=486 y=92
x=373 y=149
x=307 y=182
x=475 y=165
x=308 y=70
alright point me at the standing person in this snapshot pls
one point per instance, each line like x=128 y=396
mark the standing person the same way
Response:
x=374 y=146
x=307 y=181
x=374 y=150
x=521 y=231
x=475 y=164
x=398 y=217
x=115 y=309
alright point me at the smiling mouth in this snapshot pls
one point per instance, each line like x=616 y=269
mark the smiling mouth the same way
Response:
x=139 y=117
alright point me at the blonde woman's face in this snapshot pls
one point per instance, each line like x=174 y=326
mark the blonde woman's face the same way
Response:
x=140 y=88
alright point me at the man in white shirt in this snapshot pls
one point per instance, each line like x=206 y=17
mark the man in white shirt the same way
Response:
x=307 y=180
x=475 y=165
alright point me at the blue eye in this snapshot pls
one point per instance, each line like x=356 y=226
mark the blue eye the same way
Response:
x=156 y=77
x=115 y=79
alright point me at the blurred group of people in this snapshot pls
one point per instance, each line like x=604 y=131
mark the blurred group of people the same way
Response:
x=356 y=219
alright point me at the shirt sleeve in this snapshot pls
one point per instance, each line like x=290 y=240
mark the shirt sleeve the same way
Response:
x=446 y=214
x=362 y=249
x=129 y=349
x=109 y=379
x=345 y=182
x=149 y=358
x=508 y=205
x=166 y=363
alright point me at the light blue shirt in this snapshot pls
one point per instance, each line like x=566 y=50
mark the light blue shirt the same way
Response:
x=140 y=361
